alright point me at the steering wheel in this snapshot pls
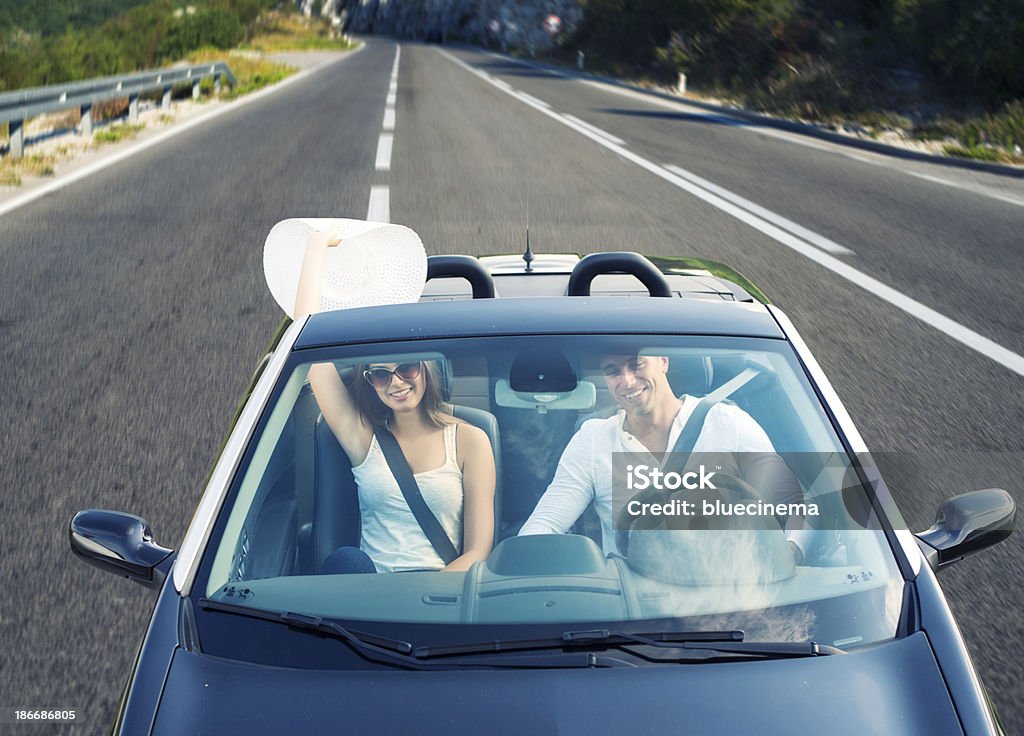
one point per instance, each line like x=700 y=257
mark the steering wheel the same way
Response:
x=727 y=549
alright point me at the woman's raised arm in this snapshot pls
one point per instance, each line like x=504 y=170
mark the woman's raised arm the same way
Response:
x=335 y=402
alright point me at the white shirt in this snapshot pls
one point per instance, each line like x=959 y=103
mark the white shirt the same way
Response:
x=391 y=536
x=584 y=473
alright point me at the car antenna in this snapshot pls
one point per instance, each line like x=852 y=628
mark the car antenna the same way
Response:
x=528 y=255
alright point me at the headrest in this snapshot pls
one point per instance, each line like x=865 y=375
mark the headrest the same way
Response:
x=690 y=374
x=542 y=372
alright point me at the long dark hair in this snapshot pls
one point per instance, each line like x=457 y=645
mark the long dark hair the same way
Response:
x=376 y=412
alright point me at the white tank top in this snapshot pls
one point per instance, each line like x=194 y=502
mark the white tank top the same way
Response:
x=391 y=536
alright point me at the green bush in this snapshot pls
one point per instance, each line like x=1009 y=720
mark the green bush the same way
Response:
x=55 y=17
x=719 y=41
x=974 y=50
x=214 y=26
x=1004 y=128
x=962 y=52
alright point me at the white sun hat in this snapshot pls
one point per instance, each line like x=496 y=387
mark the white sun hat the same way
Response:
x=375 y=263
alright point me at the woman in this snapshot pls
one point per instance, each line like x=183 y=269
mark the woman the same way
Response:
x=452 y=461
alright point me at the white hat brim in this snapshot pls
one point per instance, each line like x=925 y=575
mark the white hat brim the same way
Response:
x=375 y=263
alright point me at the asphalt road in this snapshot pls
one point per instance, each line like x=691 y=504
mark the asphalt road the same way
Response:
x=133 y=308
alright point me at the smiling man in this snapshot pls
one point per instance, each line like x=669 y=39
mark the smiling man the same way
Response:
x=650 y=420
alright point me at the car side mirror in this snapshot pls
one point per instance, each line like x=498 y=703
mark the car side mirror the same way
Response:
x=119 y=543
x=966 y=524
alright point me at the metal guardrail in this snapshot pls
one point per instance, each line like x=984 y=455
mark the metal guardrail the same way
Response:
x=17 y=106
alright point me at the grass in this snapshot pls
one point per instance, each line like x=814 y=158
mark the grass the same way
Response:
x=115 y=133
x=250 y=73
x=997 y=136
x=39 y=165
x=277 y=31
x=981 y=152
x=274 y=32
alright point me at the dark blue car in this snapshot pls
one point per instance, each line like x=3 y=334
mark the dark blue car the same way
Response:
x=824 y=618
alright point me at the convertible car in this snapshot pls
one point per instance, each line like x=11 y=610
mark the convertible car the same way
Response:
x=823 y=619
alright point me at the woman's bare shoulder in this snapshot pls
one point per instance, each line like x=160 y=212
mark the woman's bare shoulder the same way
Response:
x=465 y=429
x=469 y=438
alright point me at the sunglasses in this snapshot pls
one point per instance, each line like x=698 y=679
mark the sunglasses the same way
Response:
x=381 y=377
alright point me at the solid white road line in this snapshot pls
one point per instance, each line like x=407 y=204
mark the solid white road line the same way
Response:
x=809 y=235
x=594 y=129
x=392 y=98
x=384 y=144
x=534 y=100
x=389 y=118
x=947 y=326
x=174 y=130
x=380 y=205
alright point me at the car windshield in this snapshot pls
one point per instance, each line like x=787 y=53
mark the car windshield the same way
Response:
x=754 y=520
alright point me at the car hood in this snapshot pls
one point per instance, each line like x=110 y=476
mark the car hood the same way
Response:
x=894 y=689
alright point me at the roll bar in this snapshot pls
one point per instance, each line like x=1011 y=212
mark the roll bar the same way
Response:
x=634 y=264
x=466 y=267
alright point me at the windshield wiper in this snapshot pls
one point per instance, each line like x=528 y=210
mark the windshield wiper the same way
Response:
x=714 y=652
x=718 y=645
x=701 y=646
x=711 y=645
x=377 y=648
x=396 y=653
x=570 y=639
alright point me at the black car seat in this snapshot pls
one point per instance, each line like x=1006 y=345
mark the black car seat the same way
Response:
x=333 y=503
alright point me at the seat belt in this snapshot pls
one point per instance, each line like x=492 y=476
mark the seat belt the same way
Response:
x=431 y=527
x=687 y=439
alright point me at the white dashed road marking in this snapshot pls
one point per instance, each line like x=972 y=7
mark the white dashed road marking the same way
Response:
x=380 y=204
x=379 y=208
x=384 y=144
